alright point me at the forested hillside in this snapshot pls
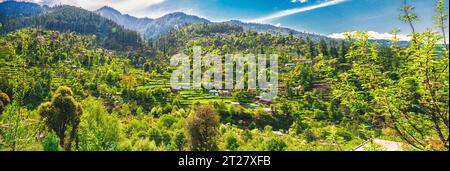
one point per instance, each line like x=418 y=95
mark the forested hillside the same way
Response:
x=72 y=80
x=68 y=19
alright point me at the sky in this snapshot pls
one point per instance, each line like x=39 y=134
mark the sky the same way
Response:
x=327 y=17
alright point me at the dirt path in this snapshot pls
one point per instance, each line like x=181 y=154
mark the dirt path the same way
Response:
x=385 y=144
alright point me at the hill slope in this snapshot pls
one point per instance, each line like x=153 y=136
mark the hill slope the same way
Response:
x=13 y=7
x=70 y=19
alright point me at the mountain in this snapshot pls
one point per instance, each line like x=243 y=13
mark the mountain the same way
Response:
x=388 y=42
x=17 y=8
x=129 y=22
x=70 y=19
x=150 y=28
x=271 y=29
x=170 y=21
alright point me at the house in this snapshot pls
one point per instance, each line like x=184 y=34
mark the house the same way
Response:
x=265 y=101
x=257 y=98
x=282 y=86
x=225 y=93
x=262 y=100
x=214 y=92
x=299 y=88
x=289 y=64
x=278 y=133
x=267 y=109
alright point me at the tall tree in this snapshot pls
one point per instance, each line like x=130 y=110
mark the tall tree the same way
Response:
x=441 y=19
x=202 y=126
x=61 y=113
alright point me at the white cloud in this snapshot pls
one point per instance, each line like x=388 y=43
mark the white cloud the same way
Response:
x=296 y=10
x=301 y=1
x=372 y=35
x=126 y=6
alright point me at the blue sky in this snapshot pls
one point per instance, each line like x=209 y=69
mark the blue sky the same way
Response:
x=318 y=16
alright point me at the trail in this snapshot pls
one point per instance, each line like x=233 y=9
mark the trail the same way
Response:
x=385 y=144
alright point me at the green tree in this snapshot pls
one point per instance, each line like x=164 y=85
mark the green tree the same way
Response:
x=414 y=102
x=180 y=140
x=98 y=129
x=441 y=19
x=4 y=100
x=202 y=126
x=334 y=139
x=61 y=114
x=408 y=15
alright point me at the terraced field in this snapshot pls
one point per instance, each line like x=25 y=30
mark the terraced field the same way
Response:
x=199 y=96
x=10 y=71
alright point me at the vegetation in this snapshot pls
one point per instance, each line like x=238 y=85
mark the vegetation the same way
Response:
x=62 y=114
x=4 y=100
x=67 y=86
x=202 y=126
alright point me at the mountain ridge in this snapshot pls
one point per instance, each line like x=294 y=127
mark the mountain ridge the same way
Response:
x=150 y=28
x=161 y=25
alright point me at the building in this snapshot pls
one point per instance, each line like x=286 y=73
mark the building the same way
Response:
x=225 y=93
x=289 y=64
x=214 y=92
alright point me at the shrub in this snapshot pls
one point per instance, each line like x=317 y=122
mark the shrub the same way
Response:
x=51 y=142
x=275 y=144
x=231 y=141
x=144 y=145
x=4 y=100
x=179 y=140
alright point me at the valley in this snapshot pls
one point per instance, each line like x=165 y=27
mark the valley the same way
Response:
x=78 y=80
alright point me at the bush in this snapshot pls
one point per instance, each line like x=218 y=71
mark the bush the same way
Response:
x=231 y=141
x=309 y=135
x=155 y=135
x=244 y=97
x=4 y=100
x=166 y=121
x=125 y=145
x=275 y=144
x=51 y=142
x=179 y=140
x=144 y=145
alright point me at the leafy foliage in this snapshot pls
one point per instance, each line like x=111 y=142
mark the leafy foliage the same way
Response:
x=62 y=114
x=202 y=126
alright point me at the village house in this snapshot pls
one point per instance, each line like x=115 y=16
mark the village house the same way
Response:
x=225 y=93
x=289 y=64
